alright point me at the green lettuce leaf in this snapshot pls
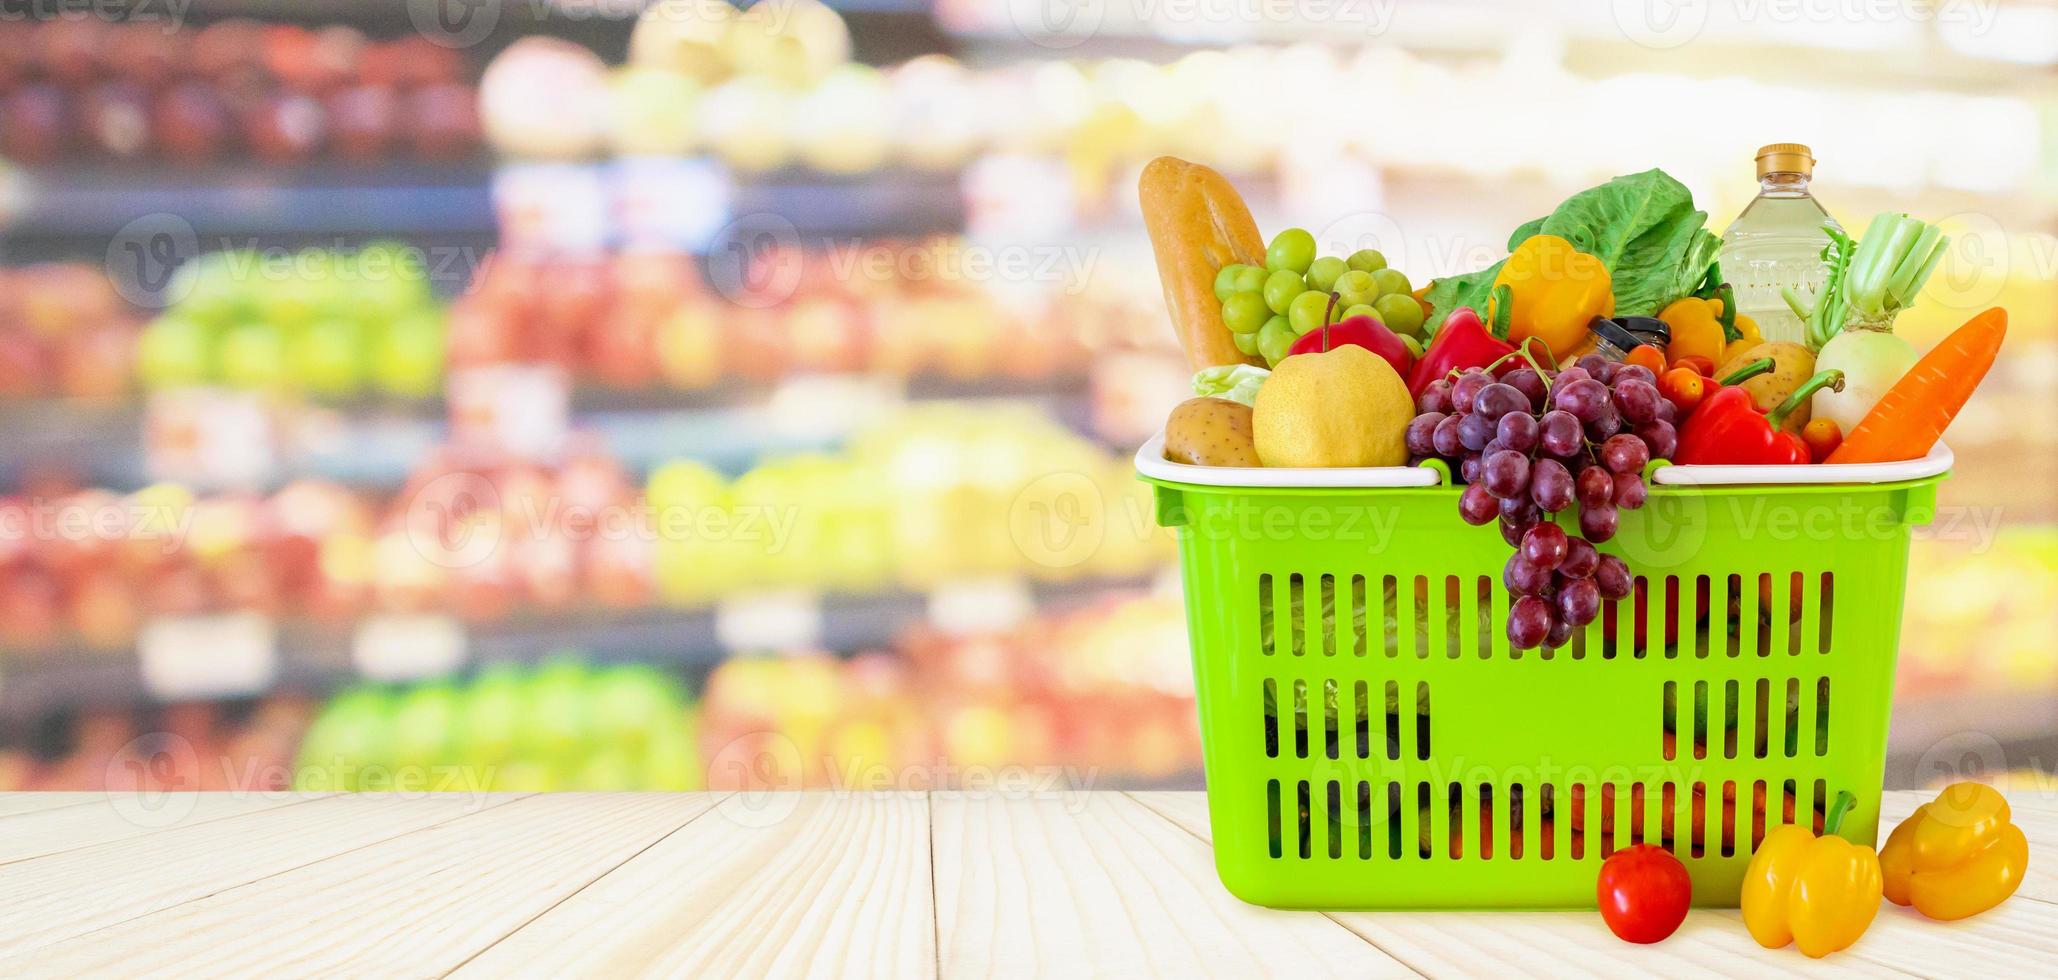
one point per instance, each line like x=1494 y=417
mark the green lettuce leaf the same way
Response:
x=1643 y=227
x=1236 y=382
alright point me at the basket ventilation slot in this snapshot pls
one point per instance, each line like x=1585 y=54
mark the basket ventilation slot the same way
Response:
x=1719 y=716
x=1755 y=606
x=1305 y=615
x=1371 y=820
x=1361 y=720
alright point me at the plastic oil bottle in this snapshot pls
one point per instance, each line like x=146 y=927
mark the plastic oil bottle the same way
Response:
x=1777 y=241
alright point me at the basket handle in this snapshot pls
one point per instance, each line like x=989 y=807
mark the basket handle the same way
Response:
x=1170 y=506
x=1919 y=504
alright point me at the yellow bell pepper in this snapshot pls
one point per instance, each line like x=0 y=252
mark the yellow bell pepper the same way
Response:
x=1745 y=326
x=1955 y=856
x=1556 y=291
x=1819 y=893
x=1696 y=326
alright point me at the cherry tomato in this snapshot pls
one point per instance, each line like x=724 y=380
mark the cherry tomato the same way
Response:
x=1701 y=365
x=1822 y=437
x=1644 y=893
x=1683 y=387
x=1648 y=356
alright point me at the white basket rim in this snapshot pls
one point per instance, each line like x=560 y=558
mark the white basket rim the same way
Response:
x=1151 y=462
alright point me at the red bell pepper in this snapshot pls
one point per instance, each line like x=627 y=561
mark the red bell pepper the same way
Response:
x=1462 y=342
x=1728 y=428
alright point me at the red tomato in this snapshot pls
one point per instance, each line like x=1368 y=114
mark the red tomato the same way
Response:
x=1683 y=387
x=1644 y=893
x=1701 y=365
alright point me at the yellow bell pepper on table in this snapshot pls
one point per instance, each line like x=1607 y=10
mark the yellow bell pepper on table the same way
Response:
x=1819 y=893
x=1556 y=290
x=1957 y=855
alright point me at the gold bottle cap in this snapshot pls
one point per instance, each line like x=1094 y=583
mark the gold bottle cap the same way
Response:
x=1785 y=158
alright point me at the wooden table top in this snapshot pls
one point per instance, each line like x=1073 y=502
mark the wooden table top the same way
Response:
x=903 y=885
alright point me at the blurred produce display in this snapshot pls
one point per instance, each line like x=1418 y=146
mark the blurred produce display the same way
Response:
x=1985 y=615
x=1097 y=695
x=562 y=725
x=1101 y=693
x=320 y=323
x=918 y=500
x=885 y=307
x=89 y=567
x=64 y=332
x=86 y=567
x=81 y=87
x=924 y=498
x=190 y=745
x=773 y=87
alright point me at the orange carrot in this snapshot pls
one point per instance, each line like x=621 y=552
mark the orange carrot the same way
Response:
x=1912 y=415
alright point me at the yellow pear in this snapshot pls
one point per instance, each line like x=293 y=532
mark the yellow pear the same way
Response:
x=1345 y=407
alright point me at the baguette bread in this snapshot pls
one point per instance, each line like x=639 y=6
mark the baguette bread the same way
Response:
x=1198 y=223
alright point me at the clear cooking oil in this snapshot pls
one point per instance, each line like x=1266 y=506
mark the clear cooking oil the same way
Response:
x=1777 y=242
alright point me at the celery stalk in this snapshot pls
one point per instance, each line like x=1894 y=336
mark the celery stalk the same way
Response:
x=1887 y=268
x=1900 y=285
x=1877 y=255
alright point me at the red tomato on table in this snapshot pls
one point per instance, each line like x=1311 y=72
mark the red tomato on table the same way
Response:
x=1644 y=893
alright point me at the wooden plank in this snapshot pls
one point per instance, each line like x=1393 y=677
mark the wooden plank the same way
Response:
x=415 y=905
x=839 y=885
x=121 y=816
x=2012 y=939
x=1095 y=883
x=14 y=803
x=54 y=898
x=1553 y=943
x=1187 y=809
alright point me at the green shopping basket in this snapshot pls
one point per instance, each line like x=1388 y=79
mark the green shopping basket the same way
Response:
x=1371 y=741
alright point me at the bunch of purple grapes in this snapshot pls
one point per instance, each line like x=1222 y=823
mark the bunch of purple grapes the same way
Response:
x=1531 y=442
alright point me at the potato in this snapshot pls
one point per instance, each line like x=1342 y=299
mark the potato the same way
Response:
x=1792 y=365
x=1210 y=432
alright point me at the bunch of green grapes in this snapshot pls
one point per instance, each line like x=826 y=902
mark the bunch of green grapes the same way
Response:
x=1268 y=308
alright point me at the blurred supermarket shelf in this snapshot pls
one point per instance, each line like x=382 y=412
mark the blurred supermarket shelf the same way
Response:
x=91 y=204
x=1590 y=38
x=203 y=657
x=378 y=442
x=84 y=210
